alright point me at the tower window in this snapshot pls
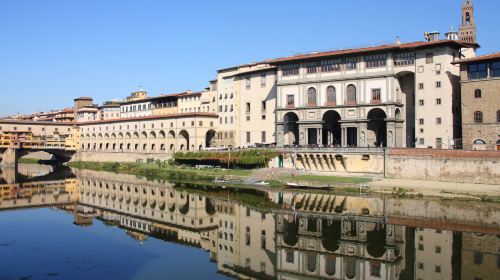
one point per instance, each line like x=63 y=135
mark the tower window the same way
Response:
x=477 y=93
x=478 y=117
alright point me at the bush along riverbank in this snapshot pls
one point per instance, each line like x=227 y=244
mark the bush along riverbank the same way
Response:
x=160 y=170
x=246 y=159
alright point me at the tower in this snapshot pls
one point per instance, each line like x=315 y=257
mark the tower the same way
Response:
x=468 y=26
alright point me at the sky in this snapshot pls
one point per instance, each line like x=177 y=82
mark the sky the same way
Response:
x=53 y=51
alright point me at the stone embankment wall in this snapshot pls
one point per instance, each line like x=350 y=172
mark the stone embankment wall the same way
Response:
x=479 y=167
x=119 y=157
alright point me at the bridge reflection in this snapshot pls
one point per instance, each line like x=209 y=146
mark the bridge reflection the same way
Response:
x=293 y=236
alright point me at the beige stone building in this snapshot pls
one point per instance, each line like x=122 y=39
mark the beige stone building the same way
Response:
x=246 y=98
x=257 y=94
x=399 y=95
x=480 y=85
x=151 y=134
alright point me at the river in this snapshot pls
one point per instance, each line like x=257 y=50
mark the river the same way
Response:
x=56 y=223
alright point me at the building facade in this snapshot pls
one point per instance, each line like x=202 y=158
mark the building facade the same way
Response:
x=400 y=95
x=480 y=86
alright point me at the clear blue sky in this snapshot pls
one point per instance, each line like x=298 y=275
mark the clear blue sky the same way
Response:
x=55 y=50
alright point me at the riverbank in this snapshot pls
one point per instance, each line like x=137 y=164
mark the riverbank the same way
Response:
x=278 y=178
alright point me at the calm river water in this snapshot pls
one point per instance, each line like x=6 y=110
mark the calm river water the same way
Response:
x=58 y=224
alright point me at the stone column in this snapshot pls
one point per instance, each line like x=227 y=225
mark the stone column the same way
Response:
x=10 y=157
x=362 y=135
x=280 y=132
x=391 y=129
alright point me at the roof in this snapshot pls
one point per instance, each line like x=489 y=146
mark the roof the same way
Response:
x=197 y=114
x=485 y=57
x=380 y=48
x=7 y=121
x=84 y=98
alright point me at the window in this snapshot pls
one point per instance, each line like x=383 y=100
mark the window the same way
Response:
x=478 y=258
x=225 y=108
x=421 y=86
x=331 y=65
x=405 y=58
x=247 y=234
x=289 y=256
x=248 y=136
x=330 y=265
x=231 y=108
x=439 y=143
x=311 y=262
x=311 y=67
x=350 y=63
x=220 y=108
x=421 y=141
x=498 y=116
x=420 y=246
x=420 y=102
x=495 y=69
x=438 y=120
x=263 y=79
x=477 y=93
x=420 y=265
x=351 y=94
x=438 y=101
x=331 y=95
x=438 y=250
x=231 y=119
x=429 y=58
x=376 y=95
x=478 y=117
x=311 y=96
x=290 y=69
x=290 y=100
x=263 y=105
x=477 y=71
x=263 y=117
x=375 y=269
x=438 y=84
x=263 y=137
x=420 y=121
x=247 y=107
x=376 y=60
x=437 y=269
x=247 y=82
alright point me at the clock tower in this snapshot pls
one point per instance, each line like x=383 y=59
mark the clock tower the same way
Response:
x=468 y=25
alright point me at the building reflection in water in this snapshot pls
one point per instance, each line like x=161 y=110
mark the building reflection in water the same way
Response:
x=301 y=236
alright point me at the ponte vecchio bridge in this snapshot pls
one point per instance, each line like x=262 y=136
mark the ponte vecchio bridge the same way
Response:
x=16 y=144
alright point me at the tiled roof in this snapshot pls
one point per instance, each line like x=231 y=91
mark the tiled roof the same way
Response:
x=199 y=114
x=403 y=46
x=84 y=98
x=11 y=121
x=480 y=58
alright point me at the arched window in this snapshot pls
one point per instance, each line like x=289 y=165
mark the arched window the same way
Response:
x=311 y=96
x=498 y=116
x=311 y=262
x=477 y=93
x=350 y=94
x=331 y=95
x=330 y=265
x=478 y=117
x=350 y=271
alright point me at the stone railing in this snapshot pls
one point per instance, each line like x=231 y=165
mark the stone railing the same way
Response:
x=339 y=150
